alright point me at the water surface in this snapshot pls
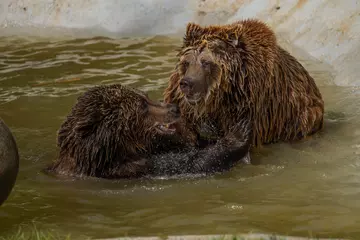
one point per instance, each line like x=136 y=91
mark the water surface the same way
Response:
x=295 y=189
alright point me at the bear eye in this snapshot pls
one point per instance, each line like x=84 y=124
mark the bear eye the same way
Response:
x=144 y=105
x=185 y=64
x=205 y=63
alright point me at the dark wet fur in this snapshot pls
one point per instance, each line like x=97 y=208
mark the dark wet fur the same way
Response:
x=250 y=76
x=213 y=158
x=107 y=135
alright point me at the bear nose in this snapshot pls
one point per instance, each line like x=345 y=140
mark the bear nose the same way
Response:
x=186 y=83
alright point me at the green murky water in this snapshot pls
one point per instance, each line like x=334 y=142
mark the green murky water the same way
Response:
x=310 y=187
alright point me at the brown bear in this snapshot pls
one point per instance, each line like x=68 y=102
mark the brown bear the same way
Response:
x=237 y=71
x=115 y=131
x=110 y=131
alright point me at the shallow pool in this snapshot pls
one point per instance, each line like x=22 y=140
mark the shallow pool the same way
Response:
x=312 y=187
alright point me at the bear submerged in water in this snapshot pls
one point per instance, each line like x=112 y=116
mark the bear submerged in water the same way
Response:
x=226 y=74
x=115 y=131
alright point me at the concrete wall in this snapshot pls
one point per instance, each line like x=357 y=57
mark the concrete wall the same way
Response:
x=327 y=30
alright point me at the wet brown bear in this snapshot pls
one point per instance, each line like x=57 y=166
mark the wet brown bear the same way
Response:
x=115 y=131
x=236 y=71
x=110 y=132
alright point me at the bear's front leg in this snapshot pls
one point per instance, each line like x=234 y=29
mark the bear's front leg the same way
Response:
x=241 y=136
x=227 y=151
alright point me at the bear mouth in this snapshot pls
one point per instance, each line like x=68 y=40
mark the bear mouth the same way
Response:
x=165 y=128
x=193 y=99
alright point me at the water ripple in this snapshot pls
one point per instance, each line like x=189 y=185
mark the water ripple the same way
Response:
x=293 y=188
x=63 y=68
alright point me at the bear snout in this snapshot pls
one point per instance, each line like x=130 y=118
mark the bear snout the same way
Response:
x=186 y=84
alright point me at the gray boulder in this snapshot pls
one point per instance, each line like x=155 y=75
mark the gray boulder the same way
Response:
x=9 y=161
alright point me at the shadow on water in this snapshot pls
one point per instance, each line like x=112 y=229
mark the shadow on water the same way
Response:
x=311 y=186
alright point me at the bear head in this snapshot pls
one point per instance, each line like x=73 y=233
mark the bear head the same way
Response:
x=111 y=124
x=215 y=60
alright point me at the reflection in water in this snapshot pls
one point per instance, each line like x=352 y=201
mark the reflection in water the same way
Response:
x=311 y=186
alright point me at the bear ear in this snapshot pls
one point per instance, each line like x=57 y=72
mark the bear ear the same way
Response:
x=219 y=44
x=233 y=39
x=226 y=43
x=193 y=33
x=235 y=42
x=228 y=40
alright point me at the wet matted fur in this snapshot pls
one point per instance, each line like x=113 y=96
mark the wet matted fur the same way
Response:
x=247 y=75
x=113 y=131
x=110 y=132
